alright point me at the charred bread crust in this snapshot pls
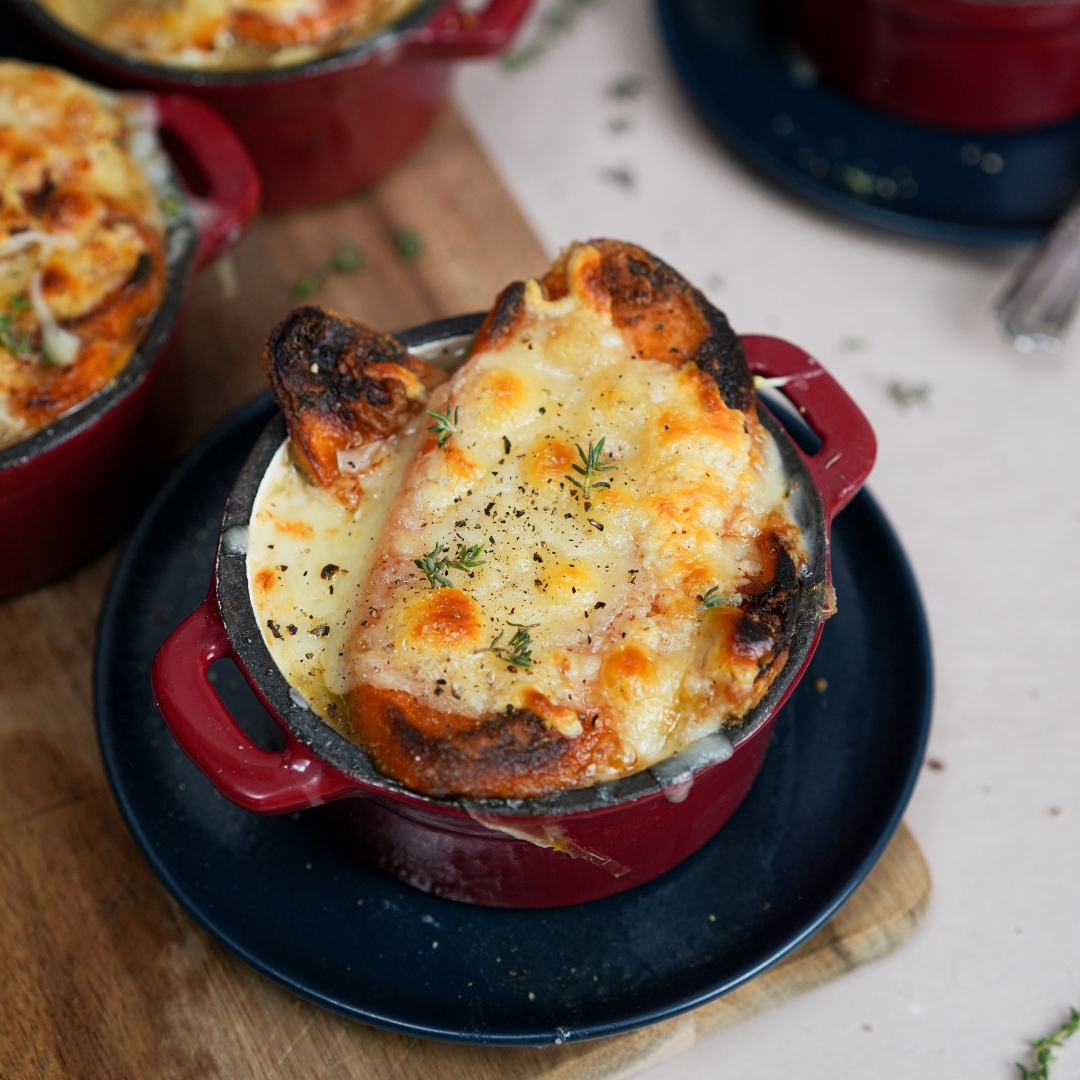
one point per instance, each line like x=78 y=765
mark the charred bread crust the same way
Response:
x=663 y=316
x=340 y=385
x=509 y=754
x=502 y=320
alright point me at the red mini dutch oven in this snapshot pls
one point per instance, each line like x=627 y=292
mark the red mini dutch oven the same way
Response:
x=319 y=130
x=971 y=65
x=524 y=853
x=69 y=488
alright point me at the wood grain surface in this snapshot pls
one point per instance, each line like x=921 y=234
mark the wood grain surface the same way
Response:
x=103 y=975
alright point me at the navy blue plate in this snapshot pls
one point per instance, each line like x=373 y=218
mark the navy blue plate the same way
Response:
x=278 y=892
x=765 y=100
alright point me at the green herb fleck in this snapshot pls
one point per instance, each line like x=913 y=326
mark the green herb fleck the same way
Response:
x=309 y=284
x=433 y=567
x=20 y=302
x=1041 y=1048
x=711 y=599
x=593 y=465
x=444 y=428
x=907 y=394
x=16 y=342
x=409 y=243
x=467 y=558
x=347 y=259
x=171 y=204
x=558 y=20
x=518 y=652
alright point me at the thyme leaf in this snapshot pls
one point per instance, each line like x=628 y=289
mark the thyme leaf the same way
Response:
x=408 y=243
x=593 y=466
x=1041 y=1048
x=466 y=558
x=308 y=285
x=433 y=566
x=347 y=259
x=444 y=428
x=518 y=651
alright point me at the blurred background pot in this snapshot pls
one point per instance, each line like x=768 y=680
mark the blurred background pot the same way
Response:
x=321 y=129
x=71 y=487
x=969 y=65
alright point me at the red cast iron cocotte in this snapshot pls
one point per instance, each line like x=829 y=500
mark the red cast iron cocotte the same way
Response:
x=69 y=488
x=972 y=65
x=319 y=130
x=526 y=853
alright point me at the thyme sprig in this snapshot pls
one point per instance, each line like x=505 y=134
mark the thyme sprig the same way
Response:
x=593 y=466
x=433 y=566
x=713 y=598
x=1041 y=1048
x=518 y=651
x=466 y=558
x=444 y=428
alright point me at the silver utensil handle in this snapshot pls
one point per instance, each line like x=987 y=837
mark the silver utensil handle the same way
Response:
x=1038 y=304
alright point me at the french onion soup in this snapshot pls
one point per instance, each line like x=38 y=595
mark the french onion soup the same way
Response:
x=82 y=241
x=569 y=560
x=226 y=35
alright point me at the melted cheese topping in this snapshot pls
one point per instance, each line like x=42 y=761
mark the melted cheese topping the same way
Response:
x=79 y=220
x=308 y=562
x=608 y=588
x=227 y=34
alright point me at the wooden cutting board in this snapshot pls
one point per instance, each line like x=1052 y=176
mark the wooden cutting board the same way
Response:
x=104 y=975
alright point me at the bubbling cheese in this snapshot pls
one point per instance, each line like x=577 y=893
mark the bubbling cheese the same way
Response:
x=308 y=561
x=608 y=587
x=227 y=34
x=82 y=262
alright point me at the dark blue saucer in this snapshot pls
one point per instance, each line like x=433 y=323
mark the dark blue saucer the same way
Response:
x=278 y=892
x=765 y=100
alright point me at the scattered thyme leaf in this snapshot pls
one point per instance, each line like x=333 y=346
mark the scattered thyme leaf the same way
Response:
x=349 y=259
x=432 y=567
x=1041 y=1048
x=626 y=88
x=309 y=284
x=558 y=20
x=20 y=302
x=444 y=428
x=593 y=465
x=408 y=243
x=518 y=651
x=907 y=394
x=620 y=176
x=466 y=558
